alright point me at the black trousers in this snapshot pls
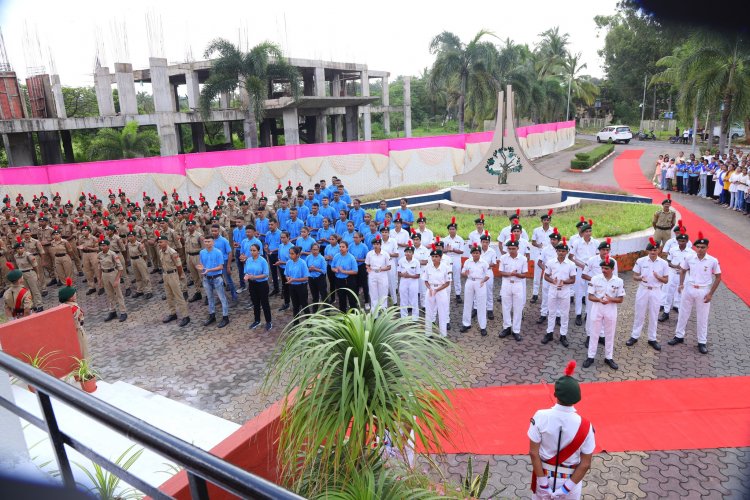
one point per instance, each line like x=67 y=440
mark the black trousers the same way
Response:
x=259 y=296
x=344 y=287
x=332 y=284
x=694 y=185
x=284 y=286
x=710 y=185
x=318 y=288
x=273 y=258
x=298 y=293
x=361 y=282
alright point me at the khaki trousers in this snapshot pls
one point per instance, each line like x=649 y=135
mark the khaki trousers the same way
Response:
x=90 y=263
x=153 y=256
x=114 y=293
x=173 y=289
x=76 y=256
x=40 y=273
x=32 y=283
x=142 y=278
x=192 y=262
x=3 y=270
x=63 y=268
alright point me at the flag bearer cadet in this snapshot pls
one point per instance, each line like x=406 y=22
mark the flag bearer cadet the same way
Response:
x=605 y=291
x=560 y=273
x=652 y=272
x=437 y=278
x=17 y=299
x=109 y=271
x=477 y=273
x=513 y=268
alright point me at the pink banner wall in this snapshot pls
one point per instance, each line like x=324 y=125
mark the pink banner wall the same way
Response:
x=53 y=174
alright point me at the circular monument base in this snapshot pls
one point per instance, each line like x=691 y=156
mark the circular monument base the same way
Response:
x=506 y=198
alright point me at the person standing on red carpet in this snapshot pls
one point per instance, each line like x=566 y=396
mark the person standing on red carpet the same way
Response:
x=561 y=444
x=700 y=276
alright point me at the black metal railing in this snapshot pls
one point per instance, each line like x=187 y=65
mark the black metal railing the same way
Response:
x=201 y=466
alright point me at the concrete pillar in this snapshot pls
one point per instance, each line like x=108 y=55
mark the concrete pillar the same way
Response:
x=249 y=124
x=266 y=139
x=49 y=147
x=193 y=89
x=337 y=121
x=224 y=102
x=167 y=130
x=320 y=82
x=126 y=88
x=67 y=146
x=103 y=88
x=197 y=132
x=321 y=125
x=20 y=149
x=352 y=126
x=58 y=95
x=386 y=100
x=407 y=106
x=291 y=126
x=366 y=116
x=160 y=87
x=336 y=85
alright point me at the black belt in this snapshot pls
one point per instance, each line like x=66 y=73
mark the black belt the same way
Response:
x=664 y=228
x=108 y=270
x=135 y=258
x=26 y=270
x=193 y=253
x=46 y=244
x=170 y=272
x=60 y=254
x=89 y=251
x=123 y=235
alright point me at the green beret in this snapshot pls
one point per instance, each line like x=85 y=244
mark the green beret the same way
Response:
x=65 y=293
x=14 y=275
x=567 y=389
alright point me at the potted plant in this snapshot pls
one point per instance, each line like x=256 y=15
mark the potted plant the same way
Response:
x=85 y=374
x=40 y=361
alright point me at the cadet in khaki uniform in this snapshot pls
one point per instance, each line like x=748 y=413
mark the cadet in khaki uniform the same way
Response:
x=172 y=273
x=67 y=295
x=68 y=233
x=3 y=260
x=117 y=245
x=26 y=264
x=88 y=246
x=663 y=222
x=137 y=254
x=34 y=247
x=193 y=246
x=151 y=246
x=45 y=238
x=61 y=250
x=109 y=272
x=17 y=299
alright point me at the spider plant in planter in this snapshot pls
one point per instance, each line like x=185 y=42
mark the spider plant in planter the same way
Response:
x=364 y=381
x=106 y=486
x=85 y=374
x=40 y=361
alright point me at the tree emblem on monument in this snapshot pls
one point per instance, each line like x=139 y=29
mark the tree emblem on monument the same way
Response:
x=502 y=162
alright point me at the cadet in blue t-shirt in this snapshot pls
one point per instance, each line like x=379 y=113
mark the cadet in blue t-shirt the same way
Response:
x=284 y=248
x=271 y=247
x=317 y=266
x=324 y=233
x=344 y=265
x=359 y=251
x=297 y=275
x=314 y=221
x=305 y=242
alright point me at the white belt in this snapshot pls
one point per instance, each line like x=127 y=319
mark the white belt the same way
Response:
x=560 y=468
x=476 y=279
x=649 y=287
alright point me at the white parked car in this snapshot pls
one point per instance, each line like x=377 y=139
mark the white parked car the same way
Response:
x=735 y=131
x=614 y=133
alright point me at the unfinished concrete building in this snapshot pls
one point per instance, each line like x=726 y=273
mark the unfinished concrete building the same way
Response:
x=335 y=101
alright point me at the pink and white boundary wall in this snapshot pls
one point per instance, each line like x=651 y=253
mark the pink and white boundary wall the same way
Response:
x=364 y=167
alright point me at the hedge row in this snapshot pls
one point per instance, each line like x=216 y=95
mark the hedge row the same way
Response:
x=583 y=161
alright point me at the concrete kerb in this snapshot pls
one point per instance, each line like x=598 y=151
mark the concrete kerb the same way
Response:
x=593 y=167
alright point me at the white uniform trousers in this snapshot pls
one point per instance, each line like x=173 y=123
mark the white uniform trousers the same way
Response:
x=490 y=285
x=393 y=282
x=378 y=284
x=559 y=306
x=408 y=289
x=693 y=297
x=422 y=292
x=670 y=296
x=514 y=299
x=575 y=493
x=580 y=289
x=545 y=298
x=647 y=300
x=603 y=316
x=437 y=306
x=537 y=278
x=474 y=293
x=456 y=273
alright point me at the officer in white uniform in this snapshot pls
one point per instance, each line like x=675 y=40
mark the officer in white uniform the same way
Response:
x=562 y=430
x=427 y=235
x=539 y=240
x=490 y=257
x=478 y=232
x=454 y=247
x=422 y=254
x=591 y=269
x=580 y=251
x=548 y=253
x=378 y=264
x=514 y=269
x=651 y=272
x=390 y=248
x=505 y=232
x=560 y=273
x=477 y=273
x=399 y=235
x=700 y=276
x=409 y=273
x=605 y=291
x=437 y=279
x=676 y=254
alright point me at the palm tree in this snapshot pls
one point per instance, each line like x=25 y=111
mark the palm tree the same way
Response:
x=362 y=378
x=110 y=144
x=470 y=67
x=580 y=87
x=552 y=51
x=255 y=71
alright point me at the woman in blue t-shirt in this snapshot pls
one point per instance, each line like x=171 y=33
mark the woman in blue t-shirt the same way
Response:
x=317 y=266
x=345 y=267
x=331 y=250
x=256 y=274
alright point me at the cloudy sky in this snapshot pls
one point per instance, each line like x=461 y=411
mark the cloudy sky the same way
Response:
x=386 y=35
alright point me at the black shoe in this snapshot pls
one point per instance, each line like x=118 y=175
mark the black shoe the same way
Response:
x=676 y=309
x=448 y=326
x=161 y=281
x=534 y=298
x=52 y=282
x=504 y=333
x=149 y=295
x=254 y=325
x=579 y=320
x=702 y=348
x=154 y=271
x=517 y=336
x=601 y=341
x=275 y=292
x=542 y=319
x=45 y=293
x=190 y=283
x=85 y=280
x=91 y=291
x=196 y=297
x=611 y=363
x=464 y=329
x=588 y=362
x=676 y=341
x=490 y=315
x=500 y=298
x=205 y=301
x=483 y=332
x=101 y=291
x=137 y=294
x=163 y=297
x=631 y=341
x=655 y=345
x=269 y=325
x=663 y=317
x=111 y=316
x=547 y=338
x=169 y=318
x=564 y=340
x=184 y=295
x=459 y=300
x=80 y=274
x=284 y=307
x=185 y=321
x=211 y=319
x=123 y=317
x=224 y=322
x=128 y=292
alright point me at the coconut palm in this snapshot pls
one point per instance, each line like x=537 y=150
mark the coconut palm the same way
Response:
x=470 y=67
x=111 y=144
x=255 y=71
x=579 y=87
x=552 y=51
x=365 y=381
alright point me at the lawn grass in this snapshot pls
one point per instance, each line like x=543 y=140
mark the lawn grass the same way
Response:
x=406 y=190
x=610 y=219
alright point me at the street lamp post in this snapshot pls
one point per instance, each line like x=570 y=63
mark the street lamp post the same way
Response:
x=643 y=104
x=567 y=109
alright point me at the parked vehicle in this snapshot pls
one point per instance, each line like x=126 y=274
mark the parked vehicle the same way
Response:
x=614 y=133
x=735 y=131
x=643 y=136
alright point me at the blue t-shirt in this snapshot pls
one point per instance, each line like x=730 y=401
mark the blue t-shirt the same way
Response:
x=261 y=228
x=257 y=267
x=329 y=213
x=273 y=240
x=305 y=243
x=212 y=259
x=238 y=234
x=294 y=227
x=339 y=206
x=341 y=227
x=284 y=253
x=296 y=269
x=314 y=222
x=247 y=243
x=331 y=251
x=370 y=237
x=359 y=251
x=222 y=244
x=357 y=215
x=407 y=216
x=380 y=215
x=318 y=261
x=348 y=237
x=302 y=212
x=282 y=215
x=324 y=234
x=346 y=262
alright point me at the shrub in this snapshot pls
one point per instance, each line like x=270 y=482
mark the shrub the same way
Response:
x=585 y=160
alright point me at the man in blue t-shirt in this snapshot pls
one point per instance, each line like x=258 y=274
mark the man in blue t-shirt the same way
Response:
x=238 y=234
x=284 y=248
x=222 y=244
x=356 y=213
x=407 y=216
x=212 y=268
x=271 y=248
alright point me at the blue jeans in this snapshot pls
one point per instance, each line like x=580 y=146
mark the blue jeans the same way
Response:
x=216 y=283
x=685 y=184
x=663 y=184
x=230 y=282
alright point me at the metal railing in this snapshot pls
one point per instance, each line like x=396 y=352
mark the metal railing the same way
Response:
x=201 y=466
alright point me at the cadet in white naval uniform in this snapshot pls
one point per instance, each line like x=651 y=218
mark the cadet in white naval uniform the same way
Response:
x=605 y=291
x=652 y=272
x=490 y=257
x=514 y=269
x=561 y=444
x=427 y=235
x=476 y=234
x=580 y=251
x=548 y=253
x=390 y=248
x=454 y=248
x=560 y=273
x=409 y=273
x=378 y=264
x=422 y=254
x=437 y=279
x=700 y=276
x=675 y=255
x=477 y=273
x=505 y=232
x=539 y=240
x=447 y=260
x=591 y=269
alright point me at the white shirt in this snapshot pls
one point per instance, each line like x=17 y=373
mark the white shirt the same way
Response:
x=427 y=237
x=599 y=286
x=390 y=247
x=700 y=271
x=456 y=243
x=377 y=261
x=436 y=276
x=524 y=247
x=593 y=267
x=557 y=270
x=474 y=237
x=510 y=265
x=477 y=270
x=646 y=268
x=505 y=235
x=583 y=250
x=400 y=237
x=676 y=256
x=673 y=243
x=541 y=237
x=422 y=254
x=548 y=253
x=409 y=267
x=545 y=429
x=490 y=256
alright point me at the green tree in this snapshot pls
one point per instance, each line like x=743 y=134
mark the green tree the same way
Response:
x=552 y=52
x=255 y=71
x=580 y=87
x=467 y=69
x=80 y=101
x=129 y=142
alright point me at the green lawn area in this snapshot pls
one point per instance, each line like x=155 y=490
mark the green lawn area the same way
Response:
x=610 y=219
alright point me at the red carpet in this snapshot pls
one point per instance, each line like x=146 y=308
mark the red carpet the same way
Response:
x=630 y=178
x=637 y=415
